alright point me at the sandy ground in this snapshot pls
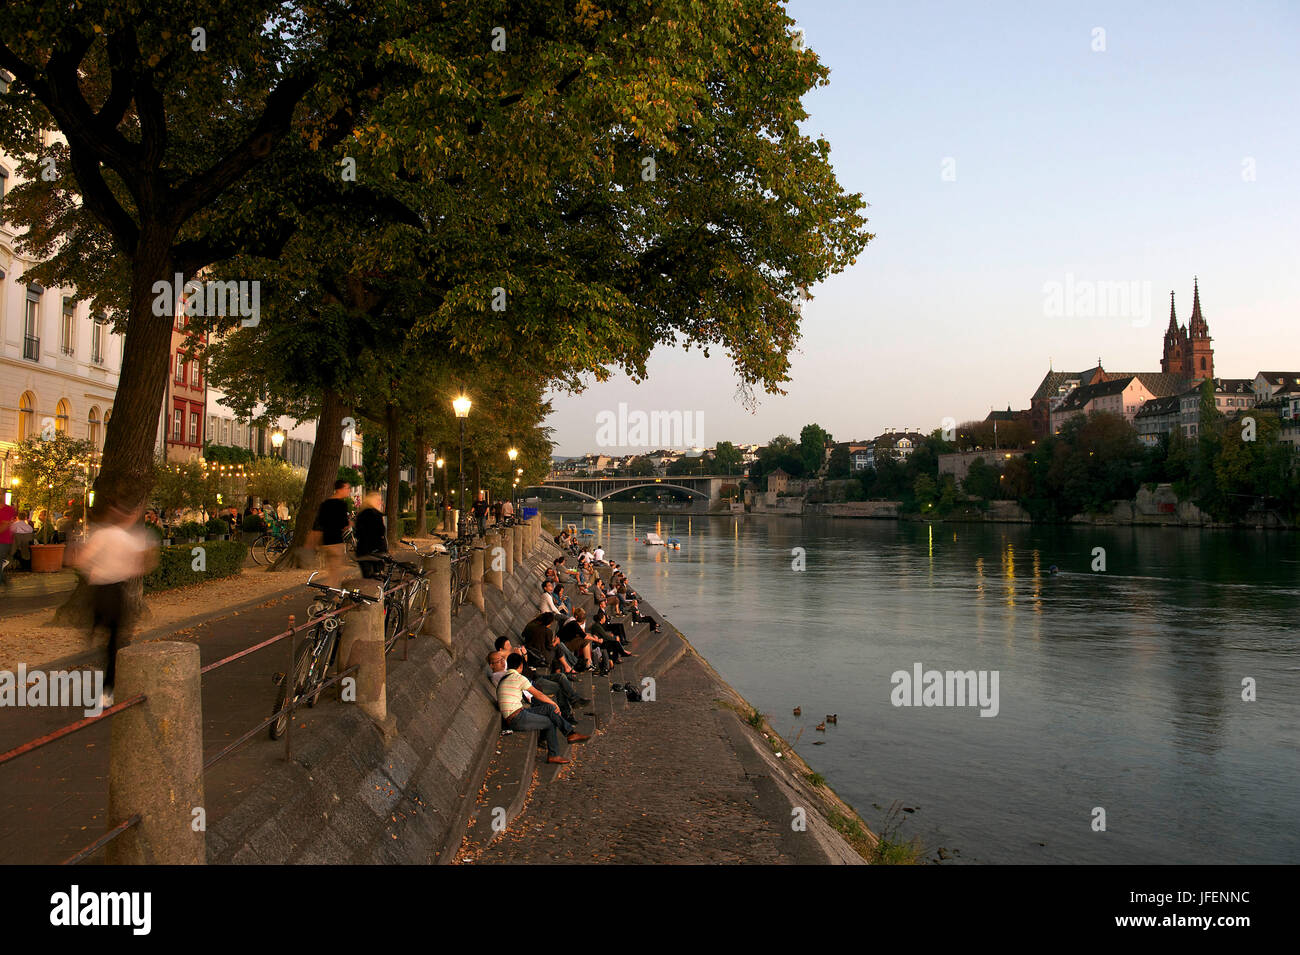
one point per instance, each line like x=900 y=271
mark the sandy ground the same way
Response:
x=34 y=639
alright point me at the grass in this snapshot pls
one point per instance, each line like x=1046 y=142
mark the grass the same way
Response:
x=816 y=779
x=890 y=847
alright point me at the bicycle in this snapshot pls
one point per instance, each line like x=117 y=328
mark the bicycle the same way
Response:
x=312 y=660
x=406 y=597
x=267 y=548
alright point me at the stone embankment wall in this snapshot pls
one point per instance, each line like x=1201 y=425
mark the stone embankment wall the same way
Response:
x=352 y=796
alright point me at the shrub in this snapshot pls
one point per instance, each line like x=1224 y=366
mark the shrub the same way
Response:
x=252 y=523
x=190 y=529
x=218 y=527
x=176 y=565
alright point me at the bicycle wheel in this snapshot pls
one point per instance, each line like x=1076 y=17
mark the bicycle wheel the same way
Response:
x=259 y=548
x=320 y=667
x=302 y=662
x=393 y=619
x=274 y=548
x=417 y=607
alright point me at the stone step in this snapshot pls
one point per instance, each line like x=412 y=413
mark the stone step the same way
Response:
x=508 y=780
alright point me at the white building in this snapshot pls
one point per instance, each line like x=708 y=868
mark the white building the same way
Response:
x=59 y=366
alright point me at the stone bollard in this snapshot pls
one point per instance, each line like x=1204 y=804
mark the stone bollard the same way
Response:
x=437 y=622
x=476 y=579
x=156 y=757
x=495 y=559
x=362 y=644
x=518 y=538
x=508 y=543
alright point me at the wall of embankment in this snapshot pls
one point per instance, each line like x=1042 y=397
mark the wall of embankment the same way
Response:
x=351 y=794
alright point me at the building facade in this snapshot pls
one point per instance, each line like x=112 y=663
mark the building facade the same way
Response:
x=59 y=364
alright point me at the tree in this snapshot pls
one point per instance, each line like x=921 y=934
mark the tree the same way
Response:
x=925 y=491
x=982 y=480
x=274 y=480
x=639 y=466
x=727 y=458
x=839 y=464
x=812 y=448
x=50 y=468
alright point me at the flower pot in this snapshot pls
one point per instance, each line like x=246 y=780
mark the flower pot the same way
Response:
x=47 y=558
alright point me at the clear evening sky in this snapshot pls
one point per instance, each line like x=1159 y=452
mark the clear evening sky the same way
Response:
x=1174 y=152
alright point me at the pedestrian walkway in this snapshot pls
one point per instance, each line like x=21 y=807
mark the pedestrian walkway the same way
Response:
x=26 y=592
x=677 y=780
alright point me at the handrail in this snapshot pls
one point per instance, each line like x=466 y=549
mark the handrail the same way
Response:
x=35 y=744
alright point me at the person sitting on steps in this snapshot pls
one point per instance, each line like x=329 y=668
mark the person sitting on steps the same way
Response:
x=543 y=714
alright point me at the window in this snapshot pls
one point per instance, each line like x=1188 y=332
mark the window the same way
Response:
x=61 y=415
x=225 y=431
x=195 y=378
x=92 y=428
x=26 y=416
x=1202 y=363
x=4 y=175
x=178 y=422
x=67 y=326
x=194 y=427
x=32 y=324
x=180 y=368
x=97 y=339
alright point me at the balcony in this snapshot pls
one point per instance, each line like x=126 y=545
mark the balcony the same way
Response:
x=31 y=348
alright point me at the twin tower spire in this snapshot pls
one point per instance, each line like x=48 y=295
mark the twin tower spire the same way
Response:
x=1188 y=351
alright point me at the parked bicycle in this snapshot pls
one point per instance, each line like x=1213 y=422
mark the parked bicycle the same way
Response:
x=312 y=660
x=406 y=597
x=268 y=547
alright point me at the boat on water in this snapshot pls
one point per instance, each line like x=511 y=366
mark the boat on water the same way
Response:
x=674 y=544
x=654 y=540
x=587 y=532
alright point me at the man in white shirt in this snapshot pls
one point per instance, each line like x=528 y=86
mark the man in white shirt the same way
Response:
x=599 y=554
x=117 y=551
x=548 y=604
x=543 y=714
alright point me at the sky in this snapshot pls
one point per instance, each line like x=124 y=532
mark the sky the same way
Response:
x=1011 y=153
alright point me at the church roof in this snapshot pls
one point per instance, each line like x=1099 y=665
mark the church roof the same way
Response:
x=1159 y=406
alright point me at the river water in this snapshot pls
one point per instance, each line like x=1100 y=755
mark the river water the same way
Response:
x=1119 y=692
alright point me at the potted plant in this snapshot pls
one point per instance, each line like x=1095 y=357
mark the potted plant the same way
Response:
x=51 y=466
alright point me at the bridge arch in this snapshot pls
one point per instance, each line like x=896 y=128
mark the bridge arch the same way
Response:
x=666 y=485
x=558 y=487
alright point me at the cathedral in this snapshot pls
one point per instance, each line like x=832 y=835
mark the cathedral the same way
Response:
x=1188 y=352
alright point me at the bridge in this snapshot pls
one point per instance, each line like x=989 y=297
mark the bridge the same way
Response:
x=706 y=486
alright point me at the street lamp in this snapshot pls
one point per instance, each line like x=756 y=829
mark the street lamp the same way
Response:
x=512 y=454
x=461 y=406
x=277 y=441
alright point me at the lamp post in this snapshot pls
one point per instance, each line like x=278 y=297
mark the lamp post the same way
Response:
x=277 y=441
x=512 y=454
x=461 y=406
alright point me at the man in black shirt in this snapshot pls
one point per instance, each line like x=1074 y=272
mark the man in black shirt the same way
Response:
x=331 y=521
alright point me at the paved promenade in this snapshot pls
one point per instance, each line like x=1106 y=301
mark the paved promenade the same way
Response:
x=679 y=780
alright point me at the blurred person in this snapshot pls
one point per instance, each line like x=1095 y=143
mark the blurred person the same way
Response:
x=371 y=534
x=118 y=551
x=8 y=517
x=282 y=511
x=327 y=531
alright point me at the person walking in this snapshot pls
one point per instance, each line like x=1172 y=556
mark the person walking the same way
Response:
x=371 y=535
x=331 y=522
x=117 y=551
x=8 y=517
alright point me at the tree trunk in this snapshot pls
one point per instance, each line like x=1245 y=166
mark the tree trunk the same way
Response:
x=421 y=487
x=392 y=507
x=127 y=472
x=321 y=475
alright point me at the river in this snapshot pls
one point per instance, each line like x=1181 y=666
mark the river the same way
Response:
x=1119 y=692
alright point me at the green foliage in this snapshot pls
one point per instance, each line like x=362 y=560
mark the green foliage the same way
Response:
x=218 y=527
x=982 y=480
x=639 y=466
x=812 y=448
x=274 y=480
x=252 y=524
x=351 y=475
x=227 y=454
x=190 y=530
x=50 y=471
x=727 y=458
x=839 y=465
x=176 y=565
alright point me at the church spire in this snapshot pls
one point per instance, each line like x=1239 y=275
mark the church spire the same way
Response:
x=1173 y=320
x=1196 y=326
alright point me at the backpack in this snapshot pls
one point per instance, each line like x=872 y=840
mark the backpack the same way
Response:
x=633 y=694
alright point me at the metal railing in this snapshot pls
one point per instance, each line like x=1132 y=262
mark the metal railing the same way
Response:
x=31 y=348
